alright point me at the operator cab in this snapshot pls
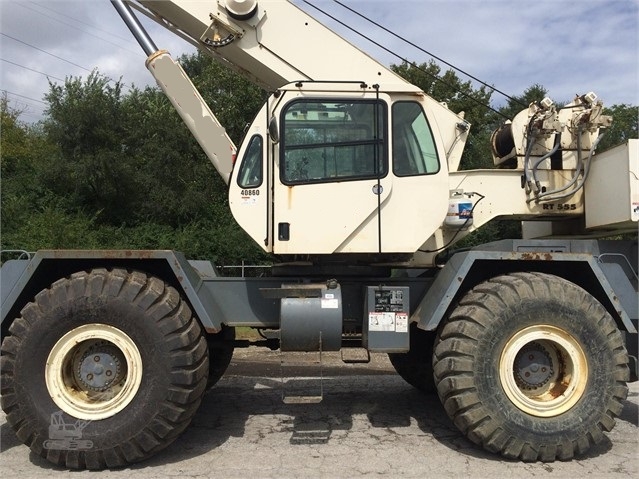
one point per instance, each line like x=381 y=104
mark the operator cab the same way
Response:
x=339 y=172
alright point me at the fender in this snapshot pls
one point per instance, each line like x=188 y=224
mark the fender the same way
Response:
x=608 y=282
x=21 y=280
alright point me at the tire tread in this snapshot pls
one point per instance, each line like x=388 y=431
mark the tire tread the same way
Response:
x=162 y=305
x=454 y=354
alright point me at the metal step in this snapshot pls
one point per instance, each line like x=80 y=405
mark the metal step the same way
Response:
x=315 y=432
x=302 y=378
x=355 y=355
x=302 y=399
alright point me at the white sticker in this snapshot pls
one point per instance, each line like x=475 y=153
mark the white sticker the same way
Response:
x=249 y=200
x=329 y=303
x=381 y=321
x=329 y=295
x=401 y=323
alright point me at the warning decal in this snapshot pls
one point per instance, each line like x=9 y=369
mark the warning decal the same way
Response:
x=390 y=322
x=401 y=322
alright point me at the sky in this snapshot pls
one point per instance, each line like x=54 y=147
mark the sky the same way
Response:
x=568 y=46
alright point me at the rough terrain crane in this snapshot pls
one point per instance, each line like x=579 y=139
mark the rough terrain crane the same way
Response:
x=349 y=176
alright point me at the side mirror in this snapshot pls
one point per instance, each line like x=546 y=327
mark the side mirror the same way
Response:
x=273 y=130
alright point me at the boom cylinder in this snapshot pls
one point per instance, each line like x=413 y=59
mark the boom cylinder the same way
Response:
x=184 y=97
x=136 y=27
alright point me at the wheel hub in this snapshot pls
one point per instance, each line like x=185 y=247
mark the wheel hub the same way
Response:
x=93 y=372
x=533 y=366
x=100 y=367
x=543 y=370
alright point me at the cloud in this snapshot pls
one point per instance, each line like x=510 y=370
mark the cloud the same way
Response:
x=63 y=39
x=569 y=47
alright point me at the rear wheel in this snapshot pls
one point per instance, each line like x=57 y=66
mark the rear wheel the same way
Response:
x=416 y=365
x=220 y=353
x=531 y=366
x=103 y=369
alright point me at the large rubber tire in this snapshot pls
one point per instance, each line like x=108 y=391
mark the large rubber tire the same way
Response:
x=416 y=365
x=531 y=366
x=220 y=353
x=103 y=369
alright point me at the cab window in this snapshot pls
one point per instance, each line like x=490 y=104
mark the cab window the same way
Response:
x=414 y=151
x=250 y=174
x=325 y=141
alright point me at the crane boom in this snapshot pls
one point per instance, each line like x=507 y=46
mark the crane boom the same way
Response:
x=272 y=42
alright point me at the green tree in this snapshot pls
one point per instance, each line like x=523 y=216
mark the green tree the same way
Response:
x=26 y=198
x=625 y=119
x=15 y=166
x=127 y=166
x=175 y=181
x=14 y=138
x=85 y=119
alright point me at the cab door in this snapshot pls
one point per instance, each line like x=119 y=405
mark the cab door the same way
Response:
x=420 y=178
x=330 y=177
x=249 y=184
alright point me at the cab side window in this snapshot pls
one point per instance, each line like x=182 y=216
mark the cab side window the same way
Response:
x=250 y=174
x=414 y=151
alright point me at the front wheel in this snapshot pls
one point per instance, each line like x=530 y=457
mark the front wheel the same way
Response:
x=103 y=369
x=531 y=366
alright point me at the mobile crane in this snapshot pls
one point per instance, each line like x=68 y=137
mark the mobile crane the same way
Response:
x=349 y=176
